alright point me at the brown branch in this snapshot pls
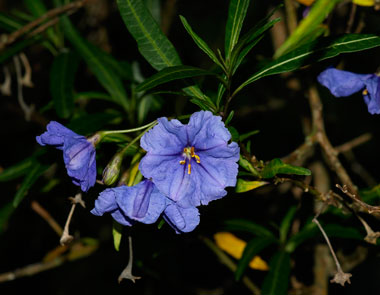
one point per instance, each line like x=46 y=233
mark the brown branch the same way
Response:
x=127 y=272
x=66 y=238
x=353 y=143
x=291 y=16
x=48 y=218
x=324 y=142
x=33 y=24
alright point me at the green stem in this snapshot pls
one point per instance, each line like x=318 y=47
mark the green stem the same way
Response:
x=151 y=124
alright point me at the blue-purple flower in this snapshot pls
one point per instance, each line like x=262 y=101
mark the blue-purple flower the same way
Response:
x=78 y=153
x=144 y=203
x=190 y=164
x=344 y=83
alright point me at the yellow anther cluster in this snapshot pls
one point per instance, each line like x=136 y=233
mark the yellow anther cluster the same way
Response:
x=188 y=153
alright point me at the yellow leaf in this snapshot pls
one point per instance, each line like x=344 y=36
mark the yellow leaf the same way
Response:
x=244 y=186
x=306 y=2
x=364 y=2
x=235 y=247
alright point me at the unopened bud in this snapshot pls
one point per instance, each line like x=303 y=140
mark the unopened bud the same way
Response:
x=112 y=171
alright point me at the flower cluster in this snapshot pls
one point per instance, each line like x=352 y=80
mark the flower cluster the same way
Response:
x=185 y=166
x=344 y=83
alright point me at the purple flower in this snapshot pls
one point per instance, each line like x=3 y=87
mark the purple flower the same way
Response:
x=78 y=153
x=144 y=203
x=191 y=164
x=343 y=83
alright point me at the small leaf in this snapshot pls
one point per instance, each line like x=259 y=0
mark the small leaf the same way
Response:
x=248 y=134
x=320 y=49
x=248 y=226
x=276 y=281
x=253 y=247
x=308 y=231
x=200 y=43
x=245 y=186
x=236 y=15
x=170 y=74
x=8 y=23
x=17 y=170
x=235 y=247
x=28 y=181
x=248 y=166
x=229 y=118
x=5 y=213
x=364 y=2
x=345 y=232
x=62 y=77
x=117 y=230
x=286 y=222
x=315 y=17
x=276 y=166
x=234 y=133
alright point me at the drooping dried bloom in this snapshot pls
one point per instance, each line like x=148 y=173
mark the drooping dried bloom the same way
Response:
x=344 y=83
x=78 y=153
x=191 y=164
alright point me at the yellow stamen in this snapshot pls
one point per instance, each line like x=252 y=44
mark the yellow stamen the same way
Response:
x=197 y=159
x=182 y=162
x=365 y=92
x=189 y=168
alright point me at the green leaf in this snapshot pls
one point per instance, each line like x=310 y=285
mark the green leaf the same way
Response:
x=248 y=166
x=16 y=48
x=62 y=77
x=276 y=166
x=248 y=134
x=234 y=133
x=8 y=23
x=369 y=195
x=101 y=69
x=170 y=74
x=236 y=15
x=5 y=213
x=245 y=186
x=248 y=226
x=200 y=43
x=28 y=181
x=308 y=25
x=229 y=117
x=308 y=231
x=17 y=170
x=276 y=281
x=117 y=231
x=152 y=43
x=320 y=49
x=252 y=248
x=286 y=222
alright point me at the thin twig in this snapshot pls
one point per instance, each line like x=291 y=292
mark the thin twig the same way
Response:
x=340 y=277
x=351 y=19
x=291 y=15
x=66 y=238
x=47 y=217
x=28 y=110
x=353 y=143
x=33 y=24
x=371 y=236
x=127 y=272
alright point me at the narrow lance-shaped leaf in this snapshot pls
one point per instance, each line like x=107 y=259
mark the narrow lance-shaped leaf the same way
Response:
x=244 y=185
x=276 y=281
x=171 y=74
x=276 y=166
x=62 y=77
x=316 y=16
x=248 y=226
x=105 y=75
x=5 y=212
x=236 y=15
x=17 y=170
x=318 y=50
x=200 y=43
x=117 y=230
x=286 y=223
x=152 y=43
x=253 y=247
x=28 y=181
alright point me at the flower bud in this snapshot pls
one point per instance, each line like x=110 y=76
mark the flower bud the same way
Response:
x=112 y=171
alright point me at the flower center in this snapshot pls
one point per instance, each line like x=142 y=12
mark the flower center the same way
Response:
x=365 y=92
x=188 y=153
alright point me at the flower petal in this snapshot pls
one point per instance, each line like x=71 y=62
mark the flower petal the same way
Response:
x=206 y=131
x=166 y=138
x=372 y=99
x=182 y=220
x=142 y=202
x=342 y=83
